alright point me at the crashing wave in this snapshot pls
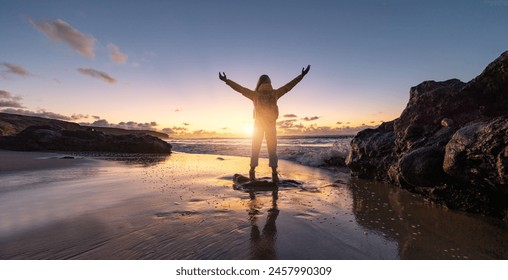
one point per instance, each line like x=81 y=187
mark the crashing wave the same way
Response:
x=317 y=152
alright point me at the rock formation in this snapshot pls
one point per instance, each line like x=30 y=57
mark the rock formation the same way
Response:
x=39 y=134
x=11 y=124
x=450 y=143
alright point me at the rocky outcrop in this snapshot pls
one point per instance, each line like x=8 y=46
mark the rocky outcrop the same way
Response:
x=450 y=143
x=372 y=152
x=121 y=131
x=11 y=124
x=40 y=134
x=477 y=154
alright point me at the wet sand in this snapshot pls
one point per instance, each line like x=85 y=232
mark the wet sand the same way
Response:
x=183 y=206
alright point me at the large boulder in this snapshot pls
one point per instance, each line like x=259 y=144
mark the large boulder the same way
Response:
x=478 y=154
x=449 y=144
x=422 y=167
x=422 y=119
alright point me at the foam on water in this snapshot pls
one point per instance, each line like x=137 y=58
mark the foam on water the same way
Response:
x=306 y=150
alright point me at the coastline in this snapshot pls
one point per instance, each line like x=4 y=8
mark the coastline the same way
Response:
x=183 y=206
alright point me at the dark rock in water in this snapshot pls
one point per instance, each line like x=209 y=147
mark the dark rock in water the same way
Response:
x=49 y=138
x=449 y=144
x=243 y=183
x=372 y=152
x=240 y=179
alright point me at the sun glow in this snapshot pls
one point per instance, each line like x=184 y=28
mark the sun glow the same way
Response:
x=248 y=129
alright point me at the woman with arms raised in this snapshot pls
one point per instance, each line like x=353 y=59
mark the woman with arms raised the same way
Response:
x=266 y=113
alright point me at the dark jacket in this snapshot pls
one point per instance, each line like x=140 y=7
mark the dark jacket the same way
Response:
x=265 y=98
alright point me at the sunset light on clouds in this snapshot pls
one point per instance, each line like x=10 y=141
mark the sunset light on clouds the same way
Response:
x=155 y=64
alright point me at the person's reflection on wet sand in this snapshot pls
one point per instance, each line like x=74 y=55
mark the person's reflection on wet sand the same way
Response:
x=263 y=243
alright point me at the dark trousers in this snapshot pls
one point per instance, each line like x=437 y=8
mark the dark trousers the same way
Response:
x=264 y=129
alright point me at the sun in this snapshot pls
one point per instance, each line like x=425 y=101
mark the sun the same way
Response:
x=247 y=129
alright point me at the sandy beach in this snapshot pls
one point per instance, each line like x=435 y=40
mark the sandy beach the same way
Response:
x=183 y=206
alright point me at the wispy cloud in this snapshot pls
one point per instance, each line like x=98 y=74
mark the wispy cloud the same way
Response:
x=204 y=133
x=174 y=130
x=131 y=125
x=79 y=116
x=10 y=104
x=290 y=116
x=285 y=124
x=115 y=55
x=60 y=31
x=97 y=74
x=14 y=69
x=43 y=114
x=5 y=94
x=7 y=100
x=310 y=118
x=292 y=127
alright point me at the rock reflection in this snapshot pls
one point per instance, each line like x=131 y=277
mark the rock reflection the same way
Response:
x=263 y=242
x=423 y=230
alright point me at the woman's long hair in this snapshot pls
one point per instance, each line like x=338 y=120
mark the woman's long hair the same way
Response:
x=264 y=79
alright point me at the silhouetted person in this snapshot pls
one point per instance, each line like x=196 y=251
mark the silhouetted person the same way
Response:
x=266 y=113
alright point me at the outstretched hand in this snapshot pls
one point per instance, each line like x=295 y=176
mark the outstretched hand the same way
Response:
x=305 y=71
x=223 y=77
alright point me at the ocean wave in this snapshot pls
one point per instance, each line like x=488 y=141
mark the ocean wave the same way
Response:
x=310 y=151
x=323 y=156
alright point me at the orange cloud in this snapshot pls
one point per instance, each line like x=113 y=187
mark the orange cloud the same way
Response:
x=115 y=55
x=290 y=127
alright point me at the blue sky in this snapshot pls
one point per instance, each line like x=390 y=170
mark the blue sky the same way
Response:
x=365 y=55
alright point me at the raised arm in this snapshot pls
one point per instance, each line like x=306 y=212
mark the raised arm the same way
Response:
x=287 y=87
x=244 y=91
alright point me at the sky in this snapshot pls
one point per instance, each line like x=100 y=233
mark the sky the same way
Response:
x=155 y=64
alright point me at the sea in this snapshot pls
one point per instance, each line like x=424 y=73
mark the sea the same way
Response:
x=317 y=151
